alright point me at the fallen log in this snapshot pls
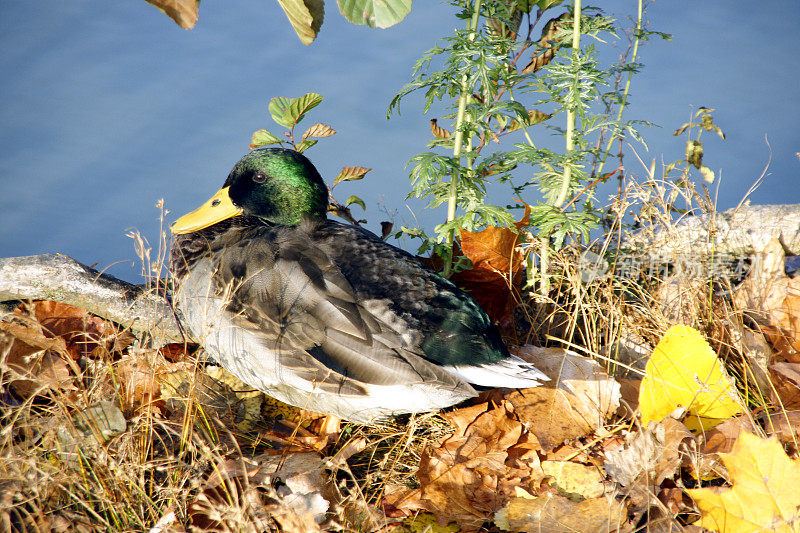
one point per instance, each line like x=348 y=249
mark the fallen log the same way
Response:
x=62 y=279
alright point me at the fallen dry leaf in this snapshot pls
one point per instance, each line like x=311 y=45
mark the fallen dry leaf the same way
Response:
x=756 y=350
x=650 y=455
x=420 y=523
x=551 y=416
x=140 y=385
x=763 y=495
x=773 y=298
x=81 y=331
x=785 y=425
x=178 y=352
x=597 y=393
x=722 y=437
x=238 y=494
x=786 y=379
x=36 y=362
x=557 y=514
x=574 y=479
x=472 y=473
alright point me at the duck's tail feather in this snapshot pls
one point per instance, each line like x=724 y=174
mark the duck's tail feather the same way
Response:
x=510 y=372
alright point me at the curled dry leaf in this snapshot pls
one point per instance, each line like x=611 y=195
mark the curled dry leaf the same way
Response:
x=36 y=362
x=318 y=130
x=546 y=45
x=534 y=117
x=438 y=131
x=305 y=16
x=351 y=174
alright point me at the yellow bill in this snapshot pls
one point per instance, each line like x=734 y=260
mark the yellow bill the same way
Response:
x=216 y=209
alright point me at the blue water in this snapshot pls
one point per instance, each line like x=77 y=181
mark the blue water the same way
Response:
x=108 y=107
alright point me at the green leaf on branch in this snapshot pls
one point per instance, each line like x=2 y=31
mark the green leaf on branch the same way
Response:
x=375 y=13
x=278 y=107
x=300 y=106
x=263 y=138
x=350 y=174
x=289 y=111
x=305 y=16
x=355 y=200
x=305 y=145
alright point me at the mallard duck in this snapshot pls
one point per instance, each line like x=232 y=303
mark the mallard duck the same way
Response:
x=324 y=315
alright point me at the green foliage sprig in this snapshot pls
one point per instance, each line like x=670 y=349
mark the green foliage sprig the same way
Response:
x=497 y=80
x=289 y=112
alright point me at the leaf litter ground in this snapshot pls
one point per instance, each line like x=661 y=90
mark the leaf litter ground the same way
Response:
x=104 y=431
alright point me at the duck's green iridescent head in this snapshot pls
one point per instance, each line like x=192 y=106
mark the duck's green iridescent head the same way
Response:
x=275 y=184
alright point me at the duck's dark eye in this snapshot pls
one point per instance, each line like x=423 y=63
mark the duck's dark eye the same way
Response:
x=259 y=178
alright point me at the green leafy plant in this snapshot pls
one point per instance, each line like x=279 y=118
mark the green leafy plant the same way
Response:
x=499 y=82
x=289 y=112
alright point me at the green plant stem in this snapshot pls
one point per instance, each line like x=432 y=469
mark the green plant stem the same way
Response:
x=624 y=103
x=544 y=240
x=452 y=200
x=576 y=42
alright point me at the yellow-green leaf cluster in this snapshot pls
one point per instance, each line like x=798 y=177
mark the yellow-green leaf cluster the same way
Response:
x=375 y=13
x=289 y=111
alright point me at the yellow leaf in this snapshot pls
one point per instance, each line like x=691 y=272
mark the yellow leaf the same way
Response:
x=305 y=16
x=350 y=174
x=183 y=12
x=684 y=372
x=534 y=117
x=763 y=495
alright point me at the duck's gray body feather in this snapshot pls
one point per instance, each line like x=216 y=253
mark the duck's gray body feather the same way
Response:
x=328 y=317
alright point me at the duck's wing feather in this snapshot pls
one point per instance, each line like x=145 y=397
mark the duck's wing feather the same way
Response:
x=452 y=329
x=287 y=285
